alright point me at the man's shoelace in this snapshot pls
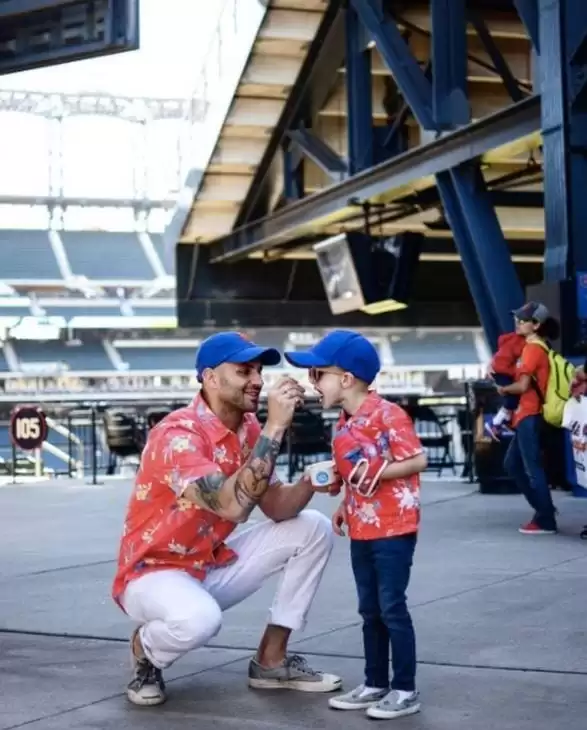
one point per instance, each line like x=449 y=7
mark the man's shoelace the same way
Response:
x=148 y=674
x=298 y=662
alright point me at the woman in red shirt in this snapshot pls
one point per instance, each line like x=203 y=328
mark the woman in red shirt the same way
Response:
x=523 y=460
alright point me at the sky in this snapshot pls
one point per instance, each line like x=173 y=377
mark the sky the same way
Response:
x=101 y=155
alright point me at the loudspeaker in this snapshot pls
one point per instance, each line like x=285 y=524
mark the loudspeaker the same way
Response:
x=371 y=274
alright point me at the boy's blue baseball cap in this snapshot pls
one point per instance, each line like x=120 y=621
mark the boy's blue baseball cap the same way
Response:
x=344 y=349
x=232 y=347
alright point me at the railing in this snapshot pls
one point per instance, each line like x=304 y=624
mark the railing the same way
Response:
x=109 y=385
x=74 y=456
x=79 y=445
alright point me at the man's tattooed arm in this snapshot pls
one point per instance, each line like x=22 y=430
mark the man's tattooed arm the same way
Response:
x=235 y=497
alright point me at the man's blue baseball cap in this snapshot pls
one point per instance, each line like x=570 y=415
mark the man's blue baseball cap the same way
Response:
x=343 y=349
x=232 y=347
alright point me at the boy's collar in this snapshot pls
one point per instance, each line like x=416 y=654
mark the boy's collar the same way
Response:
x=366 y=408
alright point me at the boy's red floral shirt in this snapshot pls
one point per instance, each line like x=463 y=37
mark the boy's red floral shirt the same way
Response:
x=379 y=429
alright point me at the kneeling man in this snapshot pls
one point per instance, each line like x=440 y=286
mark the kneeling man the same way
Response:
x=203 y=471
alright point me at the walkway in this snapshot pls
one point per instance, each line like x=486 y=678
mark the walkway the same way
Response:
x=500 y=619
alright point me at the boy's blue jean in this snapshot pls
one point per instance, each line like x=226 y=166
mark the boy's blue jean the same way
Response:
x=523 y=462
x=382 y=572
x=509 y=401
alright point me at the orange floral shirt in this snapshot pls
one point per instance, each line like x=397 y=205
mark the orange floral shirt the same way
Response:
x=162 y=529
x=378 y=431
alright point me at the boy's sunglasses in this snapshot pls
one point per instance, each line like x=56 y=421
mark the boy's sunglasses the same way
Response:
x=316 y=374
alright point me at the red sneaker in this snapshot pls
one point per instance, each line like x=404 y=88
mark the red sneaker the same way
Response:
x=533 y=529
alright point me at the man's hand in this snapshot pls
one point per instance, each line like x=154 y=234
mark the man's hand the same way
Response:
x=334 y=488
x=282 y=400
x=339 y=520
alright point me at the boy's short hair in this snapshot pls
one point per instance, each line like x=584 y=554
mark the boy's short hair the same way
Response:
x=345 y=349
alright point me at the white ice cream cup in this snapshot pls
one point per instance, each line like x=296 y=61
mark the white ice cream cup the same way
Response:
x=321 y=473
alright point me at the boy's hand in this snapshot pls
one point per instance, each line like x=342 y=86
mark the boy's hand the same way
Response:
x=339 y=520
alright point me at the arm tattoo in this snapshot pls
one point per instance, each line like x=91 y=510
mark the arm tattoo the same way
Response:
x=207 y=490
x=253 y=480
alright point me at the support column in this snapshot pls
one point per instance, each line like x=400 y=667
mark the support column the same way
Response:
x=478 y=237
x=471 y=264
x=563 y=81
x=359 y=95
x=293 y=174
x=450 y=104
x=501 y=286
x=528 y=12
x=396 y=55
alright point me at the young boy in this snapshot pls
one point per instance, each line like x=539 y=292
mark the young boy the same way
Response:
x=503 y=371
x=373 y=437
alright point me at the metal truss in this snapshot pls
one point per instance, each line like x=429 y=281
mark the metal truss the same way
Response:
x=132 y=109
x=338 y=202
x=379 y=165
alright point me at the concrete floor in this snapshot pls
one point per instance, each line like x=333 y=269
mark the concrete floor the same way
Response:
x=500 y=621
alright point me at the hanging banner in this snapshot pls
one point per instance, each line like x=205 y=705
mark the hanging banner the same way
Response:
x=575 y=421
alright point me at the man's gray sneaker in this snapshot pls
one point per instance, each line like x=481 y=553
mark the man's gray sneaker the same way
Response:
x=147 y=687
x=357 y=699
x=391 y=706
x=293 y=673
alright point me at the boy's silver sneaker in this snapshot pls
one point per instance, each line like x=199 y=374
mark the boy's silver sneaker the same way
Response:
x=391 y=706
x=357 y=699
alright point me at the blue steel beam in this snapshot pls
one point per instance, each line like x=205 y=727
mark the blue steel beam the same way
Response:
x=320 y=152
x=415 y=87
x=359 y=95
x=293 y=175
x=450 y=103
x=334 y=204
x=528 y=12
x=509 y=80
x=498 y=287
x=563 y=73
x=477 y=232
x=471 y=264
x=391 y=136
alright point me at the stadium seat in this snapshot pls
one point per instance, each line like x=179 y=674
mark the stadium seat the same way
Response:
x=157 y=414
x=124 y=435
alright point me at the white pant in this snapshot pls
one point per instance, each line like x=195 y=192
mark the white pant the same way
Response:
x=179 y=613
